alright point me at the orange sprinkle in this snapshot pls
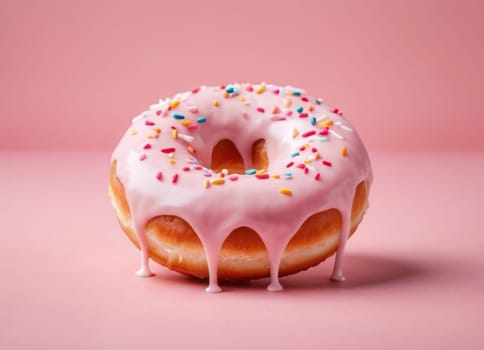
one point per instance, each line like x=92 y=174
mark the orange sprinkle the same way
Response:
x=150 y=136
x=171 y=161
x=206 y=183
x=191 y=149
x=275 y=110
x=310 y=108
x=344 y=151
x=219 y=181
x=286 y=191
x=326 y=123
x=287 y=102
x=157 y=130
x=186 y=122
x=295 y=132
x=226 y=94
x=215 y=103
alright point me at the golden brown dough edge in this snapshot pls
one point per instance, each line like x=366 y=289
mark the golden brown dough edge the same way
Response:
x=174 y=244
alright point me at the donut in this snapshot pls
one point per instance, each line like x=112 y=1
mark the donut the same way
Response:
x=239 y=182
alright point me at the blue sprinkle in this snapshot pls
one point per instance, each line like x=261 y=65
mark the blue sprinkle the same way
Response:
x=229 y=89
x=202 y=120
x=288 y=175
x=250 y=172
x=178 y=116
x=313 y=120
x=296 y=93
x=323 y=139
x=295 y=154
x=300 y=109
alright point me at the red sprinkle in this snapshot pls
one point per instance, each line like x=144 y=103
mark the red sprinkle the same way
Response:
x=306 y=170
x=260 y=109
x=197 y=167
x=263 y=176
x=250 y=88
x=158 y=112
x=276 y=91
x=194 y=91
x=147 y=146
x=317 y=176
x=301 y=166
x=192 y=127
x=147 y=122
x=233 y=177
x=305 y=99
x=159 y=176
x=289 y=164
x=324 y=131
x=168 y=150
x=302 y=148
x=303 y=115
x=186 y=168
x=327 y=163
x=143 y=157
x=314 y=149
x=174 y=179
x=309 y=133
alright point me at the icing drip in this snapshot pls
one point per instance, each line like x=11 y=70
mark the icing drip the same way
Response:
x=164 y=163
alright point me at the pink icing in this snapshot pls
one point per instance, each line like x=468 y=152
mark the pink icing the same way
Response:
x=167 y=172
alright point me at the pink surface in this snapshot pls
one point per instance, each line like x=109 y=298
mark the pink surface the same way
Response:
x=414 y=268
x=407 y=73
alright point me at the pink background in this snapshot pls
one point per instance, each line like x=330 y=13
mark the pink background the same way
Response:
x=409 y=76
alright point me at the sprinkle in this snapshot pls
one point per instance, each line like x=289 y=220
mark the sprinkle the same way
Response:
x=295 y=154
x=275 y=110
x=174 y=179
x=262 y=176
x=151 y=136
x=147 y=146
x=345 y=127
x=295 y=133
x=192 y=127
x=174 y=103
x=305 y=99
x=178 y=116
x=133 y=132
x=186 y=168
x=288 y=175
x=287 y=102
x=310 y=108
x=309 y=133
x=336 y=134
x=186 y=122
x=158 y=112
x=229 y=89
x=296 y=92
x=277 y=118
x=303 y=115
x=250 y=172
x=313 y=120
x=306 y=170
x=159 y=176
x=301 y=166
x=286 y=191
x=143 y=157
x=219 y=181
x=202 y=120
x=319 y=101
x=326 y=123
x=191 y=149
x=224 y=172
x=249 y=88
x=260 y=171
x=147 y=122
x=168 y=150
x=187 y=138
x=260 y=109
x=197 y=167
x=314 y=149
x=174 y=133
x=290 y=164
x=327 y=163
x=324 y=131
x=157 y=130
x=261 y=88
x=233 y=177
x=300 y=109
x=317 y=176
x=192 y=109
x=276 y=176
x=302 y=148
x=206 y=183
x=344 y=151
x=171 y=161
x=215 y=103
x=323 y=139
x=276 y=92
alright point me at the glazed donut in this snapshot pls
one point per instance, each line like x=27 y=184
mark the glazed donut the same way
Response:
x=240 y=181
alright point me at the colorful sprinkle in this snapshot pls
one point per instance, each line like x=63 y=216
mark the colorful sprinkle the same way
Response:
x=305 y=99
x=275 y=110
x=250 y=172
x=174 y=133
x=186 y=122
x=344 y=151
x=219 y=181
x=326 y=123
x=206 y=183
x=260 y=171
x=300 y=109
x=133 y=132
x=290 y=164
x=317 y=176
x=286 y=191
x=174 y=179
x=303 y=115
x=178 y=116
x=159 y=176
x=260 y=109
x=168 y=150
x=215 y=103
x=157 y=130
x=276 y=176
x=174 y=103
x=287 y=103
x=171 y=161
x=143 y=157
x=262 y=176
x=261 y=88
x=202 y=120
x=233 y=177
x=186 y=168
x=191 y=149
x=295 y=133
x=147 y=146
x=288 y=175
x=309 y=133
x=327 y=163
x=313 y=120
x=295 y=154
x=147 y=122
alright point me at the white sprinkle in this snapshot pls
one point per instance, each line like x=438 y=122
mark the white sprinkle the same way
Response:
x=142 y=115
x=187 y=138
x=225 y=171
x=343 y=126
x=336 y=134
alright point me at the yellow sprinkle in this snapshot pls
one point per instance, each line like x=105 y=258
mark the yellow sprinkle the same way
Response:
x=261 y=88
x=242 y=98
x=215 y=103
x=276 y=176
x=260 y=171
x=219 y=181
x=287 y=102
x=344 y=151
x=174 y=133
x=307 y=161
x=286 y=191
x=157 y=130
x=133 y=132
x=174 y=103
x=288 y=93
x=295 y=132
x=327 y=123
x=150 y=136
x=171 y=161
x=206 y=183
x=307 y=145
x=191 y=150
x=186 y=122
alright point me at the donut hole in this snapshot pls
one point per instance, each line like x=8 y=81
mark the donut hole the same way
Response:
x=225 y=155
